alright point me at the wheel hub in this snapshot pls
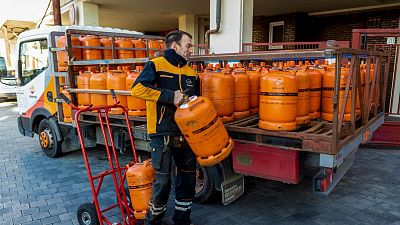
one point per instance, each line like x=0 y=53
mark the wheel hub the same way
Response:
x=46 y=138
x=86 y=218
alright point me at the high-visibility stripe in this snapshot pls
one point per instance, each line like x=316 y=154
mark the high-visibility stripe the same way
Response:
x=182 y=203
x=157 y=210
x=183 y=208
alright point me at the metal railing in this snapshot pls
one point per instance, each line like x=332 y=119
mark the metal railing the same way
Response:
x=256 y=47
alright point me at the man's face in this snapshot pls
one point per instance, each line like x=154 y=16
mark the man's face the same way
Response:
x=184 y=49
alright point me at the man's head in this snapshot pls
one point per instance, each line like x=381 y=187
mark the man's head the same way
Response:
x=180 y=41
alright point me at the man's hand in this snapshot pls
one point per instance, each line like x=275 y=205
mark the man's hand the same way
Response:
x=178 y=97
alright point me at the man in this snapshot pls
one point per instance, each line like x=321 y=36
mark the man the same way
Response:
x=162 y=84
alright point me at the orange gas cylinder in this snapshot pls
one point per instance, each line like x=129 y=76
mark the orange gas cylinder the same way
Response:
x=328 y=85
x=303 y=99
x=210 y=67
x=242 y=94
x=162 y=44
x=124 y=68
x=204 y=131
x=280 y=65
x=84 y=83
x=227 y=69
x=91 y=54
x=139 y=44
x=254 y=76
x=140 y=178
x=116 y=80
x=67 y=112
x=315 y=92
x=154 y=44
x=136 y=106
x=219 y=88
x=98 y=81
x=106 y=53
x=62 y=55
x=124 y=54
x=278 y=101
x=362 y=79
x=371 y=79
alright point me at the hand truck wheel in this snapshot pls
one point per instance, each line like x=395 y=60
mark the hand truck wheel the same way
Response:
x=87 y=214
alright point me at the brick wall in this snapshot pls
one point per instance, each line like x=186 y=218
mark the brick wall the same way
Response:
x=300 y=27
x=339 y=27
x=291 y=22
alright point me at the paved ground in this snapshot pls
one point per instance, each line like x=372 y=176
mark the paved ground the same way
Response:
x=35 y=189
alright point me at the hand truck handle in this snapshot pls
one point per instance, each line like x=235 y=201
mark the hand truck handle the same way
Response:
x=65 y=98
x=113 y=93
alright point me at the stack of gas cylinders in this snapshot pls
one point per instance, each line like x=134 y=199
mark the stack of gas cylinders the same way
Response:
x=285 y=95
x=119 y=77
x=100 y=48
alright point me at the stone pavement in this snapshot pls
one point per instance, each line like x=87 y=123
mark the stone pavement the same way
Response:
x=35 y=189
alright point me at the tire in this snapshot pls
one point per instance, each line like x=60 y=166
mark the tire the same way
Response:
x=205 y=185
x=87 y=214
x=48 y=140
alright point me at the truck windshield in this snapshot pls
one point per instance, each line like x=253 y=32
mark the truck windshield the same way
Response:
x=34 y=59
x=3 y=67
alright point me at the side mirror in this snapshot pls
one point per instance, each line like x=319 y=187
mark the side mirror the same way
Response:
x=19 y=73
x=9 y=81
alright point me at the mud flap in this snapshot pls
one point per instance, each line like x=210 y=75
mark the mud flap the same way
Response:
x=232 y=185
x=232 y=189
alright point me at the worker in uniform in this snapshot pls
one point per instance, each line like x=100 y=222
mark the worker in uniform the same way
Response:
x=163 y=83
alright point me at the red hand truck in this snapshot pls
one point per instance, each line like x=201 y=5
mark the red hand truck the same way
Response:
x=90 y=213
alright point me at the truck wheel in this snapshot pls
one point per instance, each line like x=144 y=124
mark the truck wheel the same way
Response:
x=205 y=189
x=87 y=214
x=48 y=139
x=205 y=185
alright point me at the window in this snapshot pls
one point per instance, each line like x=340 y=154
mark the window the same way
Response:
x=3 y=67
x=33 y=58
x=374 y=22
x=276 y=34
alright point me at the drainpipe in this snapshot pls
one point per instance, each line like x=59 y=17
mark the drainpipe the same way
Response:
x=57 y=12
x=218 y=22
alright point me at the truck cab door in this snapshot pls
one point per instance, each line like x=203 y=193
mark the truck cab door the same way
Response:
x=33 y=74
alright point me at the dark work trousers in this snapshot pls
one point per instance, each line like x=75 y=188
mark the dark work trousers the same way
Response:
x=163 y=149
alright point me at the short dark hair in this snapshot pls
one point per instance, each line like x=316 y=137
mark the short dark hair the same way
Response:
x=175 y=36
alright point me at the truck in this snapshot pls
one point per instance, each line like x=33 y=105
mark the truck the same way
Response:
x=326 y=148
x=7 y=83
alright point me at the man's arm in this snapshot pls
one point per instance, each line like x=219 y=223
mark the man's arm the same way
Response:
x=144 y=88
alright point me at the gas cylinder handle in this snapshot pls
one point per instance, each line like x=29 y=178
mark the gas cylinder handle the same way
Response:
x=147 y=162
x=193 y=105
x=65 y=98
x=113 y=93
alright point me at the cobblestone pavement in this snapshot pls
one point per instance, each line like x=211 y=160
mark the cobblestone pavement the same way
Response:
x=35 y=189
